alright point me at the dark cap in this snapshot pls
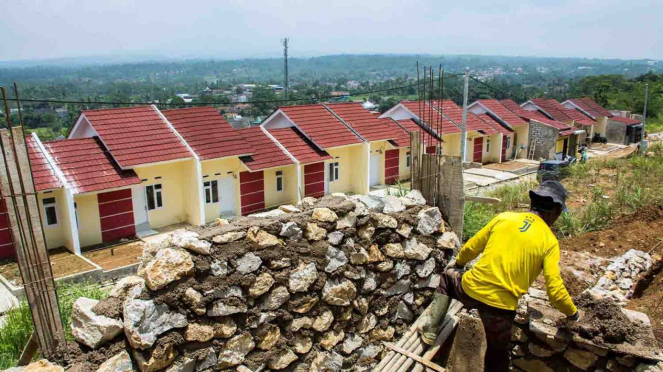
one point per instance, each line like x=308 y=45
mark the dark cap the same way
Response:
x=554 y=190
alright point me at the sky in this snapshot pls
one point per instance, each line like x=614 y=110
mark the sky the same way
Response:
x=229 y=29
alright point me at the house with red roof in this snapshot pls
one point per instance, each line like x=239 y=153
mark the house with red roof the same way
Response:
x=517 y=141
x=331 y=156
x=592 y=111
x=616 y=128
x=441 y=124
x=556 y=111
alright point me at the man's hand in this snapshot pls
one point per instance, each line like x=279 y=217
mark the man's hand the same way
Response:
x=453 y=265
x=575 y=318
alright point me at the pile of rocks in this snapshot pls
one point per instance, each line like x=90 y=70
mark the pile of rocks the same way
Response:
x=318 y=288
x=618 y=280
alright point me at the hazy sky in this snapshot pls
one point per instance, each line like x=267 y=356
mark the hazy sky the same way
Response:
x=37 y=29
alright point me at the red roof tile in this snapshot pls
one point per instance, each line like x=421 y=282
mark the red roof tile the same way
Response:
x=495 y=124
x=42 y=172
x=557 y=110
x=499 y=110
x=532 y=115
x=585 y=122
x=299 y=146
x=318 y=124
x=623 y=120
x=265 y=152
x=431 y=116
x=567 y=132
x=136 y=135
x=207 y=132
x=402 y=135
x=451 y=110
x=87 y=165
x=364 y=122
x=411 y=126
x=591 y=107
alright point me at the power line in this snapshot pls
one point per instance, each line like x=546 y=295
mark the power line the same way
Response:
x=314 y=98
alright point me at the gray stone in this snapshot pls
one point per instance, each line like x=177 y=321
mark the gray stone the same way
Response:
x=415 y=197
x=368 y=354
x=392 y=204
x=189 y=241
x=408 y=298
x=403 y=312
x=168 y=265
x=280 y=263
x=127 y=287
x=430 y=221
x=581 y=358
x=282 y=359
x=228 y=292
x=360 y=209
x=248 y=263
x=326 y=362
x=370 y=283
x=335 y=238
x=432 y=281
x=335 y=259
x=223 y=308
x=291 y=231
x=448 y=240
x=415 y=250
x=220 y=268
x=400 y=287
x=347 y=221
x=302 y=277
x=384 y=221
x=89 y=328
x=402 y=269
x=206 y=359
x=121 y=362
x=339 y=292
x=648 y=367
x=262 y=284
x=373 y=203
x=229 y=237
x=307 y=202
x=351 y=343
x=144 y=321
x=276 y=298
x=425 y=269
x=235 y=350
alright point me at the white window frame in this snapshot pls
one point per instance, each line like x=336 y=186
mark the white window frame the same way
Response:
x=408 y=160
x=209 y=186
x=53 y=205
x=154 y=195
x=334 y=171
x=279 y=176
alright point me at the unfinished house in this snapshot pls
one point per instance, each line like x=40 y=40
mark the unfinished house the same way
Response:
x=347 y=168
x=217 y=148
x=517 y=138
x=624 y=130
x=592 y=110
x=556 y=111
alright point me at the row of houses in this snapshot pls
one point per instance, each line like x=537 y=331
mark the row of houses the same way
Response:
x=125 y=172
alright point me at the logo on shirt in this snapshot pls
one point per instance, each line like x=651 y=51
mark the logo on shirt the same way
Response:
x=526 y=224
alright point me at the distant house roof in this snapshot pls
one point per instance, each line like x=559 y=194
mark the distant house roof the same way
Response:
x=557 y=110
x=533 y=115
x=402 y=137
x=136 y=135
x=499 y=110
x=87 y=166
x=42 y=171
x=430 y=115
x=450 y=109
x=589 y=106
x=411 y=126
x=207 y=132
x=364 y=122
x=319 y=125
x=265 y=152
x=299 y=146
x=497 y=127
x=627 y=121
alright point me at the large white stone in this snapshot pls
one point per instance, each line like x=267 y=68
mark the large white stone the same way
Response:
x=89 y=328
x=336 y=259
x=392 y=204
x=235 y=350
x=127 y=286
x=302 y=277
x=430 y=221
x=121 y=362
x=144 y=321
x=189 y=240
x=415 y=250
x=249 y=263
x=314 y=232
x=291 y=231
x=277 y=297
x=372 y=202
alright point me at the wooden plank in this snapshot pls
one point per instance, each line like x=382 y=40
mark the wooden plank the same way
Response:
x=483 y=199
x=414 y=357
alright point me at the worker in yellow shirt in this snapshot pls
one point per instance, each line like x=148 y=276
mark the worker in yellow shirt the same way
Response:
x=515 y=248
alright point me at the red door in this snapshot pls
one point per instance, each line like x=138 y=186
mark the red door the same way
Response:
x=391 y=159
x=252 y=192
x=478 y=150
x=314 y=180
x=6 y=242
x=117 y=215
x=504 y=140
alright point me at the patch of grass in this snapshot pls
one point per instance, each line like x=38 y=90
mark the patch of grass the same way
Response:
x=16 y=330
x=476 y=216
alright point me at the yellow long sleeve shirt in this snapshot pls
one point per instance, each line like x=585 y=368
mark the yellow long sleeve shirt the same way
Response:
x=516 y=247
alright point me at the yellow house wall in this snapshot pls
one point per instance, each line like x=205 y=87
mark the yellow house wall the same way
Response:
x=353 y=164
x=601 y=125
x=175 y=182
x=403 y=169
x=509 y=149
x=522 y=140
x=58 y=235
x=492 y=154
x=376 y=146
x=275 y=198
x=191 y=192
x=559 y=146
x=89 y=224
x=451 y=144
x=215 y=170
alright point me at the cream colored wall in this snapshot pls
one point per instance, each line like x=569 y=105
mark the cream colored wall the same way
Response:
x=275 y=198
x=601 y=125
x=217 y=169
x=89 y=223
x=509 y=149
x=491 y=155
x=522 y=140
x=353 y=166
x=174 y=181
x=376 y=146
x=191 y=192
x=451 y=144
x=59 y=235
x=403 y=169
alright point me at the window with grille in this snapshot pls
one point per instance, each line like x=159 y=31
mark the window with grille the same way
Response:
x=154 y=196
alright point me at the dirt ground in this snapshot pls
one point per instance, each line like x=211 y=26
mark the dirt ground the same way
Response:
x=469 y=341
x=118 y=256
x=63 y=263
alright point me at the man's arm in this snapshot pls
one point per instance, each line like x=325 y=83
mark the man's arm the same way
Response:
x=475 y=246
x=557 y=293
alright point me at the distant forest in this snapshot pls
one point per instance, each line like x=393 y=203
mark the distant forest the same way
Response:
x=614 y=83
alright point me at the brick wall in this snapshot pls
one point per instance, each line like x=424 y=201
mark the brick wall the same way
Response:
x=543 y=138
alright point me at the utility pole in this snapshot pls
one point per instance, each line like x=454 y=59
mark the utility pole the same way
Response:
x=285 y=70
x=463 y=136
x=644 y=121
